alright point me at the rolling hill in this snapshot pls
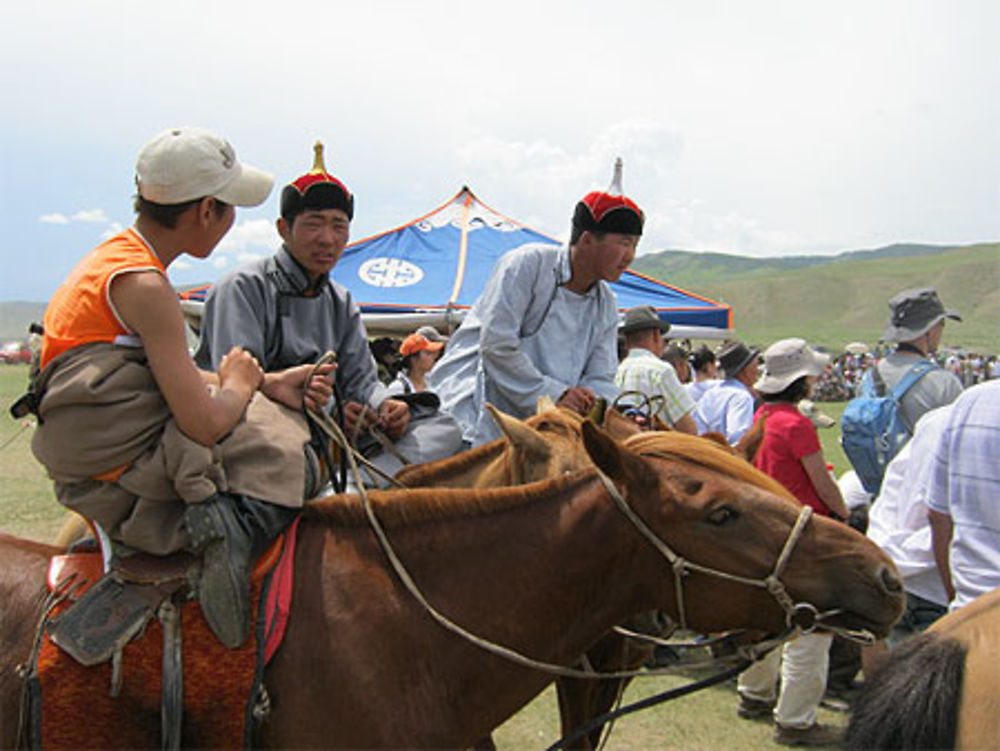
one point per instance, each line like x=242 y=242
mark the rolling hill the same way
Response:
x=831 y=300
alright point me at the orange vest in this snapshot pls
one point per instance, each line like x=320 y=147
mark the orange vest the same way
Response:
x=80 y=312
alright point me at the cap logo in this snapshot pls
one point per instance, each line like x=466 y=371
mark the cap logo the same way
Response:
x=228 y=156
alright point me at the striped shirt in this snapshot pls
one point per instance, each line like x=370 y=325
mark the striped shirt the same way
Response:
x=964 y=483
x=646 y=373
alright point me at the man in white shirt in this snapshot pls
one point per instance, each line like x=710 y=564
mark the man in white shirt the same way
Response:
x=644 y=372
x=898 y=523
x=963 y=496
x=729 y=407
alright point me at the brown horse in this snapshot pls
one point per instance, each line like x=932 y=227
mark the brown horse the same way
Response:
x=939 y=690
x=545 y=569
x=546 y=445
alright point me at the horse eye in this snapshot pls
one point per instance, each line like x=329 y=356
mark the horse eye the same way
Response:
x=722 y=515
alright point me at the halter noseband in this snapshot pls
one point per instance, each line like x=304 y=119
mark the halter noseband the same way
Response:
x=801 y=616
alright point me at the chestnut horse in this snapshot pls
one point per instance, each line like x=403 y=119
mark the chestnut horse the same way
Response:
x=544 y=569
x=546 y=445
x=938 y=690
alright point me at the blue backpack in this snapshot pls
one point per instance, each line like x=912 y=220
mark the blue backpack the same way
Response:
x=872 y=430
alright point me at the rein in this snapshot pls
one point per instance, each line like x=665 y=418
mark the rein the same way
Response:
x=749 y=652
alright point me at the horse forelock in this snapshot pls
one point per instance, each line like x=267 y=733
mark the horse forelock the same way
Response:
x=706 y=453
x=557 y=420
x=400 y=508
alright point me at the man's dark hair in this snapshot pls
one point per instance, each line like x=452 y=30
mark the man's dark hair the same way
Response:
x=577 y=232
x=168 y=214
x=702 y=357
x=793 y=392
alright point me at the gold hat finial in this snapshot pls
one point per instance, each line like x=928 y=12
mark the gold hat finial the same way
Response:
x=318 y=166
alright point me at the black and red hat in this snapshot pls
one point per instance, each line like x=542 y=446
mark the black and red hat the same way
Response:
x=316 y=190
x=607 y=212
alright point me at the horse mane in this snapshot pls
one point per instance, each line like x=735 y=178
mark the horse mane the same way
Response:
x=401 y=508
x=418 y=474
x=707 y=453
x=912 y=702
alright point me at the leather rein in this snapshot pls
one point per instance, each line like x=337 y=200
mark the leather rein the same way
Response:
x=800 y=617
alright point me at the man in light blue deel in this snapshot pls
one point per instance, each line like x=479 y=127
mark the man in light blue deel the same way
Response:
x=545 y=325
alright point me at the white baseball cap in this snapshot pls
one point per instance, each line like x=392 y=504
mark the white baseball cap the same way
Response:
x=183 y=164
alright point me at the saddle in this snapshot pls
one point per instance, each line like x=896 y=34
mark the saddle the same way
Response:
x=123 y=629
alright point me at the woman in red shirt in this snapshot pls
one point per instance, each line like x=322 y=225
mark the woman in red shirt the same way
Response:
x=791 y=454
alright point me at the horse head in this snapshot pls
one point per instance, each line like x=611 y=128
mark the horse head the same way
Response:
x=725 y=526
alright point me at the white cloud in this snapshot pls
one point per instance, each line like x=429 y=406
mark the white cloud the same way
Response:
x=53 y=219
x=246 y=236
x=93 y=216
x=113 y=229
x=179 y=264
x=220 y=262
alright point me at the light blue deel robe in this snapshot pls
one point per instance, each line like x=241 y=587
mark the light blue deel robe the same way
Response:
x=527 y=336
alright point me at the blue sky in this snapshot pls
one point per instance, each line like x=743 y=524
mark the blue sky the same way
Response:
x=759 y=128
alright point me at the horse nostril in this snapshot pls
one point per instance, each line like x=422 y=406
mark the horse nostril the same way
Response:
x=890 y=581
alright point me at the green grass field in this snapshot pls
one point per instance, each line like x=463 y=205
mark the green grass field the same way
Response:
x=703 y=721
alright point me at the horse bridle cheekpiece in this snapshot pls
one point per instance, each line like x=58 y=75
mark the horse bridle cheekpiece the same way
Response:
x=801 y=617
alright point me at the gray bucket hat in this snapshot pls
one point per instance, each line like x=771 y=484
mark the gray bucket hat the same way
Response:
x=642 y=318
x=787 y=360
x=913 y=313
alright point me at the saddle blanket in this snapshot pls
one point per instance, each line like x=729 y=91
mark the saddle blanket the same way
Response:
x=72 y=705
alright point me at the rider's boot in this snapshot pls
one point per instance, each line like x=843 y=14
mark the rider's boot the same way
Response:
x=230 y=531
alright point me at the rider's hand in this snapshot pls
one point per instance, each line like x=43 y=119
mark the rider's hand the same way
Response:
x=293 y=387
x=578 y=398
x=394 y=418
x=239 y=368
x=358 y=417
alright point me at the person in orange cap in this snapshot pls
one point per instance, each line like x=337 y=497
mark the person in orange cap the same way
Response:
x=419 y=354
x=545 y=325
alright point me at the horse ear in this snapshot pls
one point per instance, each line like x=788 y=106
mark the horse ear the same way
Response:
x=617 y=462
x=750 y=443
x=598 y=411
x=544 y=403
x=521 y=435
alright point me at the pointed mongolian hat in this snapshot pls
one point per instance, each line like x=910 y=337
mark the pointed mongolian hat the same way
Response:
x=609 y=211
x=316 y=190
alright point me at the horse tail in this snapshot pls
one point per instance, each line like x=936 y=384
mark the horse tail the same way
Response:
x=913 y=702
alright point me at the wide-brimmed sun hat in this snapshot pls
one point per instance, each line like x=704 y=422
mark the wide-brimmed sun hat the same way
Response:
x=913 y=313
x=787 y=360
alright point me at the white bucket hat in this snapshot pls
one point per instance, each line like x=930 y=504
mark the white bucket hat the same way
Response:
x=787 y=360
x=183 y=164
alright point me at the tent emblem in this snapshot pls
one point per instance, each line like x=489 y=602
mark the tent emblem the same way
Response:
x=389 y=272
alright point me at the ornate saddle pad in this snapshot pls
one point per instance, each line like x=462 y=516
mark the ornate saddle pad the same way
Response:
x=72 y=705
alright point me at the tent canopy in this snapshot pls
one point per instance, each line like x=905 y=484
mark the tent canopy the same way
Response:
x=437 y=265
x=431 y=270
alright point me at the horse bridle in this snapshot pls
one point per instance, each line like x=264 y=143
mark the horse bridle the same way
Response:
x=679 y=565
x=802 y=617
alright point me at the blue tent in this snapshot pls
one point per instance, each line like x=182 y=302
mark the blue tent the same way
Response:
x=433 y=268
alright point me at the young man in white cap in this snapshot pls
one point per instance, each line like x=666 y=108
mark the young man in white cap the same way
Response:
x=916 y=323
x=643 y=371
x=116 y=376
x=545 y=325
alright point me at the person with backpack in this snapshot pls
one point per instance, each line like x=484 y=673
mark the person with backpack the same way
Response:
x=901 y=387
